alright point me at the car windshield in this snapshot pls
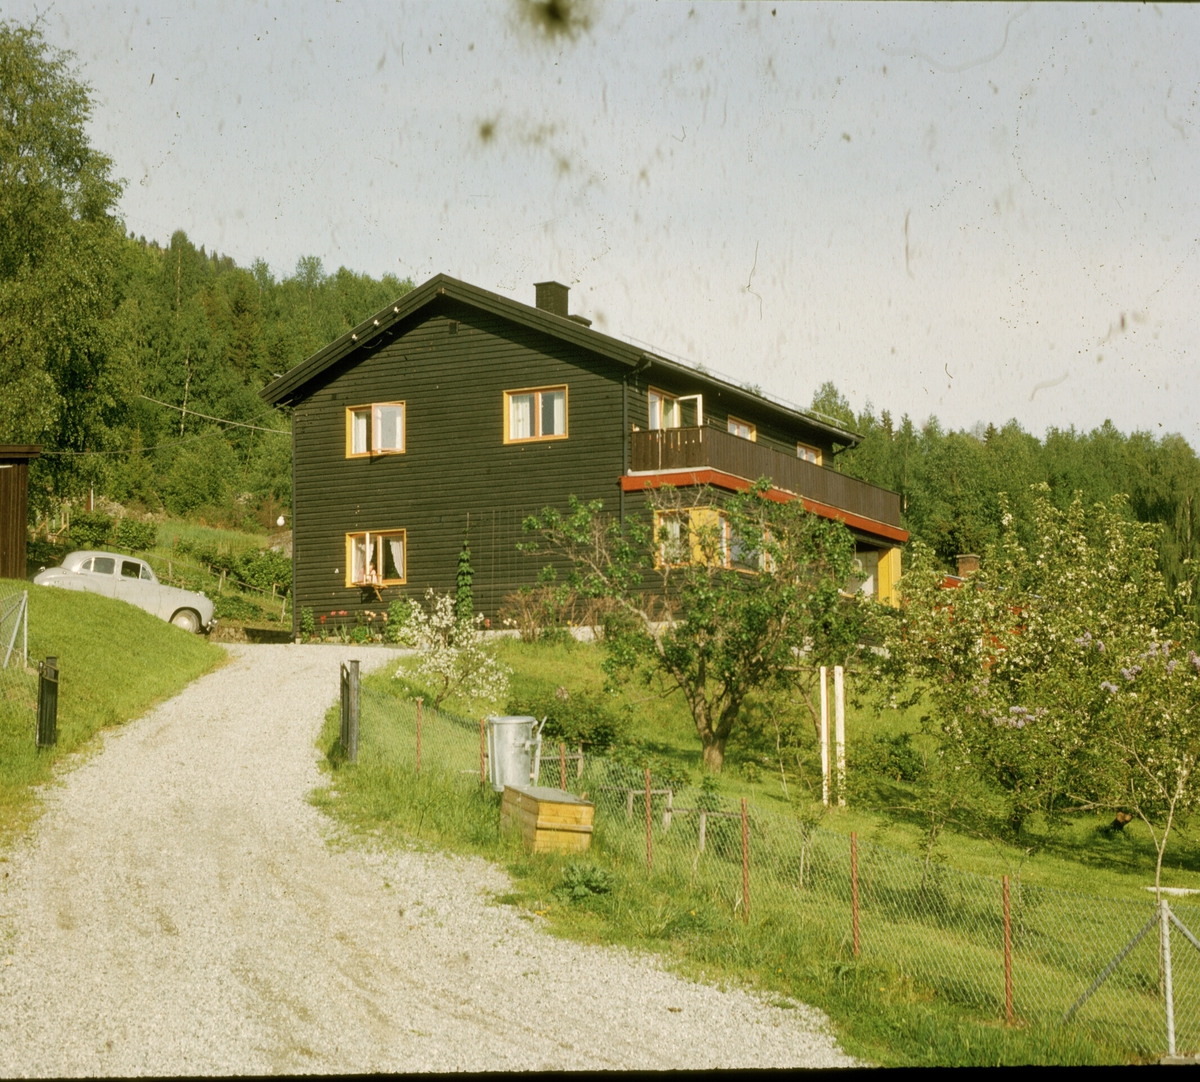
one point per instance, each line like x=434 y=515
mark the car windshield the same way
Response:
x=130 y=569
x=104 y=565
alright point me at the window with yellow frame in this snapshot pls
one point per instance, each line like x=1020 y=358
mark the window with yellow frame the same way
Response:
x=376 y=558
x=535 y=413
x=375 y=429
x=809 y=453
x=745 y=429
x=702 y=535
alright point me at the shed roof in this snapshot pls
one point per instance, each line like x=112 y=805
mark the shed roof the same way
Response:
x=291 y=384
x=10 y=452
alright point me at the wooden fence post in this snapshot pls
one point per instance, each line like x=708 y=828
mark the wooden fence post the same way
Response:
x=483 y=751
x=854 y=888
x=419 y=702
x=47 y=702
x=745 y=864
x=1008 y=974
x=562 y=766
x=649 y=833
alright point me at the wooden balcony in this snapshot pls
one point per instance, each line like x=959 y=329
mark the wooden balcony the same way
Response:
x=709 y=448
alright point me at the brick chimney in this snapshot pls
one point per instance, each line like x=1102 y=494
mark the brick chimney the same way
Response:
x=967 y=562
x=552 y=297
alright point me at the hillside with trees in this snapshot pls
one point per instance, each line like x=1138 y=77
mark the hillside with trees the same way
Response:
x=137 y=366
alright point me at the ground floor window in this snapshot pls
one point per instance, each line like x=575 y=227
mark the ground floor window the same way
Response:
x=376 y=558
x=703 y=535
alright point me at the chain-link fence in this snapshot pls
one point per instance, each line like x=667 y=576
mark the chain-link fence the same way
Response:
x=1006 y=950
x=18 y=681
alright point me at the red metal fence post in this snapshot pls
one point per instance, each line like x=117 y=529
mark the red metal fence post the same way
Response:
x=483 y=751
x=419 y=734
x=854 y=888
x=745 y=864
x=649 y=835
x=1008 y=974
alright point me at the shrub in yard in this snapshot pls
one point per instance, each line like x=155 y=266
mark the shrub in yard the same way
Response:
x=540 y=613
x=233 y=607
x=90 y=530
x=131 y=533
x=572 y=717
x=396 y=620
x=308 y=623
x=264 y=569
x=582 y=881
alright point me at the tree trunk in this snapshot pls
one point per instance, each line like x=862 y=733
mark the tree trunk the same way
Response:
x=714 y=755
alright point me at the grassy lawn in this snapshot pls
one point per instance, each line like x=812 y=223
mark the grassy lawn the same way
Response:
x=1076 y=856
x=176 y=530
x=795 y=947
x=115 y=662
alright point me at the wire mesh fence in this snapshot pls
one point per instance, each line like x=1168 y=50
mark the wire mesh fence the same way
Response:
x=18 y=681
x=1007 y=950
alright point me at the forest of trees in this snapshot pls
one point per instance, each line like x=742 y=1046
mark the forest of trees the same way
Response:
x=97 y=327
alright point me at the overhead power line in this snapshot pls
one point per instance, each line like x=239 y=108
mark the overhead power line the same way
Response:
x=219 y=420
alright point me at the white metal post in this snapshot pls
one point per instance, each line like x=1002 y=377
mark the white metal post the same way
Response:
x=824 y=739
x=1165 y=936
x=839 y=730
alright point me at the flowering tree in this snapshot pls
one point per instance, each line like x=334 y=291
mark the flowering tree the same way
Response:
x=1150 y=731
x=454 y=658
x=1011 y=663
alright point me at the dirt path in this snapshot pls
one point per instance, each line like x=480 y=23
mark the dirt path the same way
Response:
x=179 y=910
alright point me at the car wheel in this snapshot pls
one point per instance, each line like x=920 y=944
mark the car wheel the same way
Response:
x=187 y=619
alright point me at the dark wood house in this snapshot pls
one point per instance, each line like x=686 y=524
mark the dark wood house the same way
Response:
x=457 y=412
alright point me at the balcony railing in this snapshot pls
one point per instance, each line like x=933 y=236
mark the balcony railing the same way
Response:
x=710 y=448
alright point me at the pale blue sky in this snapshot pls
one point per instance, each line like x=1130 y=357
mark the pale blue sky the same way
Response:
x=981 y=212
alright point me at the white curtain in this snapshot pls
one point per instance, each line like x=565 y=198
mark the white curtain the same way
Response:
x=358 y=443
x=520 y=417
x=396 y=545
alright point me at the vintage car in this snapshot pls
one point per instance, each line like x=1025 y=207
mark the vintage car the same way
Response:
x=129 y=579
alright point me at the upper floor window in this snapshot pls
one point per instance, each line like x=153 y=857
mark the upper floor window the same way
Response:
x=809 y=453
x=375 y=559
x=538 y=413
x=377 y=429
x=742 y=428
x=665 y=411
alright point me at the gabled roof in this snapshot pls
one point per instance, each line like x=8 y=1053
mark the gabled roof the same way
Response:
x=291 y=384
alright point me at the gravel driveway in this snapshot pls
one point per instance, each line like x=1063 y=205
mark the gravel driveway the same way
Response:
x=180 y=911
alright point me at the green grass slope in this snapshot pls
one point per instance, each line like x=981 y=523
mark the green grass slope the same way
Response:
x=115 y=662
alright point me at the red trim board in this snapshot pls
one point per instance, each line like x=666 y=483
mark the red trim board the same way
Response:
x=718 y=479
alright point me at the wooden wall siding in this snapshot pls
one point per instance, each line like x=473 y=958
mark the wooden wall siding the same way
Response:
x=690 y=448
x=717 y=411
x=456 y=466
x=14 y=515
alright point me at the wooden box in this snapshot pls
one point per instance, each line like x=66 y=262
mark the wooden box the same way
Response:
x=550 y=820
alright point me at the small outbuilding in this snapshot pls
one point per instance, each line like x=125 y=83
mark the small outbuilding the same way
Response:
x=14 y=507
